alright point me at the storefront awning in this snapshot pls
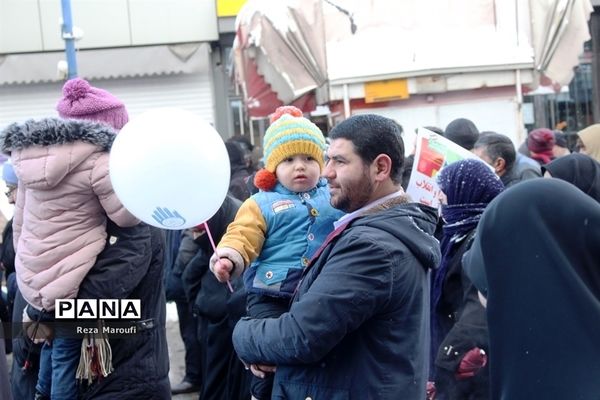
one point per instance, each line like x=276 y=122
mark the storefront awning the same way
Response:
x=559 y=29
x=106 y=63
x=280 y=54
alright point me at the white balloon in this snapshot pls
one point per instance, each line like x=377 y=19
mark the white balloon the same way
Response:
x=170 y=168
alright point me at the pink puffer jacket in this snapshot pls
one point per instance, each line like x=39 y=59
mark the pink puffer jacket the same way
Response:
x=64 y=196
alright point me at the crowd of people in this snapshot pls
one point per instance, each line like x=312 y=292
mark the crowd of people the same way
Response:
x=327 y=281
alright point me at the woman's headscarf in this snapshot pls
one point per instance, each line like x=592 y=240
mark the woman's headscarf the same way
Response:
x=590 y=137
x=580 y=170
x=539 y=243
x=469 y=185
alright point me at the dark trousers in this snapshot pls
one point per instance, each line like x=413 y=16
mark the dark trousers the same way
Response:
x=262 y=306
x=23 y=380
x=193 y=350
x=4 y=377
x=215 y=337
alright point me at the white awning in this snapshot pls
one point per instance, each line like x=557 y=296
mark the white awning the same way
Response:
x=559 y=27
x=106 y=63
x=285 y=40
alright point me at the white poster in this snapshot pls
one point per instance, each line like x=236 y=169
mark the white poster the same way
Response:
x=433 y=153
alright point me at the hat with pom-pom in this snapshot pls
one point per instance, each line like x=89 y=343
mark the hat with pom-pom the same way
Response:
x=83 y=101
x=289 y=134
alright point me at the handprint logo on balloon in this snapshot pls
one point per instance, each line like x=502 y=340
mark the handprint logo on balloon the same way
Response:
x=167 y=218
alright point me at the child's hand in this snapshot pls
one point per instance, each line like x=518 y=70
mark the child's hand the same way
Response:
x=222 y=269
x=226 y=264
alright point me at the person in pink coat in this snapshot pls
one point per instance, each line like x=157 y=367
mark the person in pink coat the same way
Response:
x=63 y=201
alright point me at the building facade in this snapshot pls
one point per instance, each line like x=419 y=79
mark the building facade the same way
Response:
x=169 y=53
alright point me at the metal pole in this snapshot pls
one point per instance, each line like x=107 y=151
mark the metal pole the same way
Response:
x=346 y=101
x=519 y=92
x=67 y=35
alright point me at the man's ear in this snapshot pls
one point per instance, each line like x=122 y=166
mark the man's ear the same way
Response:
x=499 y=165
x=382 y=166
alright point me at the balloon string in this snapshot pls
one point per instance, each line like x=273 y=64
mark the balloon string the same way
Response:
x=212 y=243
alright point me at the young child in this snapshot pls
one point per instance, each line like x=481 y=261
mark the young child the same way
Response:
x=63 y=201
x=277 y=230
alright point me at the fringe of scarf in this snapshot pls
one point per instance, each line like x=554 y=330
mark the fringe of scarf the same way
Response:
x=95 y=361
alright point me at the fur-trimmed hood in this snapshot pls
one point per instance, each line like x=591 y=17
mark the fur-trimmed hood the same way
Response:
x=47 y=151
x=52 y=131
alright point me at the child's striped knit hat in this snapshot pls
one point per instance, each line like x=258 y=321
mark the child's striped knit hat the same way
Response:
x=289 y=134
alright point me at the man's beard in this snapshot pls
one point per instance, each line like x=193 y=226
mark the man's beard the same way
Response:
x=355 y=194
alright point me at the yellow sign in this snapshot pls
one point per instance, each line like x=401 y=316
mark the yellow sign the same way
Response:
x=229 y=8
x=393 y=89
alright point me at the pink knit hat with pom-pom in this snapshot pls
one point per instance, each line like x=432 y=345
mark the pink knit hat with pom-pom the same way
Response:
x=83 y=101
